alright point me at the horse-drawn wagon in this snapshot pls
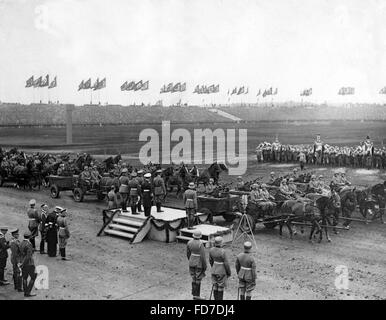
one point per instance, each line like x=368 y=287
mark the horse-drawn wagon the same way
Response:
x=79 y=187
x=225 y=205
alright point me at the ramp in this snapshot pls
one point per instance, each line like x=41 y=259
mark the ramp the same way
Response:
x=225 y=114
x=133 y=227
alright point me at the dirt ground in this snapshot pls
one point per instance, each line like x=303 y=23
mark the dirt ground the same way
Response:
x=111 y=268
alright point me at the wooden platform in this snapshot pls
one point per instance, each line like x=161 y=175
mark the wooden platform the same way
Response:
x=209 y=232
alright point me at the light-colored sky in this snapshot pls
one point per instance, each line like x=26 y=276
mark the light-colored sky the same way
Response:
x=289 y=44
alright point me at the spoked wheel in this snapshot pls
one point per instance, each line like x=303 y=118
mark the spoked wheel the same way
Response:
x=247 y=223
x=78 y=194
x=100 y=196
x=54 y=191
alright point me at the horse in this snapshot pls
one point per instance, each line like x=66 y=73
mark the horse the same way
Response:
x=213 y=171
x=348 y=201
x=172 y=180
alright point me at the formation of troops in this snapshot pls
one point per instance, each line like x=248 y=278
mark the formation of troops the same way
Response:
x=365 y=155
x=54 y=231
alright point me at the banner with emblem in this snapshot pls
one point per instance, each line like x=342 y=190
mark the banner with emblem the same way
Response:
x=53 y=84
x=30 y=82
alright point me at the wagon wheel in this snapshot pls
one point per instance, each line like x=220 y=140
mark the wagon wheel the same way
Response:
x=100 y=195
x=209 y=214
x=78 y=194
x=245 y=227
x=54 y=191
x=229 y=217
x=33 y=183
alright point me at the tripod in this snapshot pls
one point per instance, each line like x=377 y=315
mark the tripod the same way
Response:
x=245 y=229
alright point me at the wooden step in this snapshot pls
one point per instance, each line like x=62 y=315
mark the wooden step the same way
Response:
x=123 y=227
x=117 y=233
x=139 y=217
x=127 y=221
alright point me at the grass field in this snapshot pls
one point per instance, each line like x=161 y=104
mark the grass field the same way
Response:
x=124 y=139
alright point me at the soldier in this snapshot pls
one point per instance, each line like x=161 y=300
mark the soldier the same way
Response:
x=60 y=171
x=85 y=175
x=246 y=272
x=124 y=188
x=272 y=178
x=147 y=194
x=4 y=245
x=276 y=148
x=368 y=152
x=140 y=180
x=33 y=223
x=27 y=265
x=159 y=190
x=95 y=177
x=64 y=232
x=42 y=226
x=210 y=187
x=240 y=183
x=318 y=150
x=134 y=192
x=16 y=259
x=254 y=195
x=112 y=200
x=221 y=270
x=313 y=184
x=195 y=252
x=52 y=232
x=190 y=203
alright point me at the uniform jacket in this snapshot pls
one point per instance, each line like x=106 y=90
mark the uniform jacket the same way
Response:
x=15 y=251
x=134 y=187
x=210 y=188
x=147 y=193
x=159 y=186
x=124 y=184
x=195 y=252
x=4 y=245
x=246 y=267
x=33 y=217
x=42 y=220
x=219 y=261
x=190 y=199
x=26 y=251
x=64 y=232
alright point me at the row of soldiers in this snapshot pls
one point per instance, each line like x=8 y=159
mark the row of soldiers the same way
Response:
x=220 y=268
x=364 y=155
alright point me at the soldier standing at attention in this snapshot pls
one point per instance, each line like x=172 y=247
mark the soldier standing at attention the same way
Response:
x=134 y=192
x=33 y=223
x=221 y=270
x=27 y=265
x=42 y=226
x=195 y=252
x=147 y=194
x=16 y=259
x=64 y=233
x=52 y=233
x=124 y=188
x=4 y=245
x=159 y=190
x=140 y=180
x=190 y=204
x=112 y=199
x=246 y=272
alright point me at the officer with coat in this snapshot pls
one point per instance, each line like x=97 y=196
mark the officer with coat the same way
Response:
x=140 y=179
x=124 y=188
x=52 y=233
x=195 y=251
x=42 y=226
x=4 y=246
x=27 y=265
x=134 y=192
x=33 y=221
x=112 y=200
x=221 y=270
x=246 y=272
x=147 y=194
x=14 y=245
x=64 y=232
x=159 y=190
x=190 y=204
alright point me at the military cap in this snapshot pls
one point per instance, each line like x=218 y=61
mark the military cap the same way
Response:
x=159 y=171
x=272 y=173
x=14 y=231
x=3 y=228
x=263 y=185
x=27 y=234
x=133 y=174
x=140 y=171
x=197 y=234
x=32 y=202
x=58 y=209
x=124 y=170
x=112 y=187
x=43 y=205
x=321 y=176
x=239 y=178
x=247 y=245
x=218 y=241
x=147 y=175
x=191 y=185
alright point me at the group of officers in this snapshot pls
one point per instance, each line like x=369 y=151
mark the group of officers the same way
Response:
x=364 y=155
x=220 y=268
x=53 y=228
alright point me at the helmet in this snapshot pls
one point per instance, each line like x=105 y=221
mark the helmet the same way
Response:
x=32 y=202
x=197 y=234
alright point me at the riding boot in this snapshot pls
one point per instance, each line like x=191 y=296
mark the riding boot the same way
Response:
x=42 y=246
x=193 y=289
x=198 y=289
x=159 y=207
x=242 y=297
x=215 y=295
x=25 y=286
x=248 y=298
x=220 y=295
x=19 y=284
x=133 y=209
x=139 y=207
x=32 y=240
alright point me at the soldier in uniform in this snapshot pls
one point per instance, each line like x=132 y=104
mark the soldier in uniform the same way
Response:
x=124 y=188
x=140 y=180
x=221 y=270
x=210 y=187
x=112 y=200
x=85 y=176
x=190 y=203
x=313 y=184
x=33 y=221
x=52 y=232
x=246 y=272
x=4 y=245
x=159 y=190
x=147 y=194
x=276 y=148
x=95 y=177
x=195 y=252
x=368 y=152
x=27 y=265
x=272 y=178
x=14 y=245
x=64 y=232
x=318 y=150
x=42 y=226
x=134 y=192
